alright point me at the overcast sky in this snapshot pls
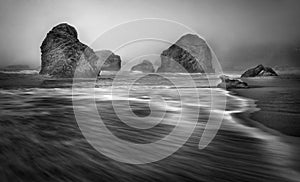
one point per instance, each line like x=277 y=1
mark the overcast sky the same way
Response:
x=242 y=33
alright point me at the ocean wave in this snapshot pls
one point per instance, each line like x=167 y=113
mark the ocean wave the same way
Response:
x=21 y=72
x=40 y=121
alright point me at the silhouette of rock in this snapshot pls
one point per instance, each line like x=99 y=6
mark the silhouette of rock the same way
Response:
x=62 y=53
x=145 y=67
x=229 y=83
x=189 y=54
x=108 y=61
x=259 y=70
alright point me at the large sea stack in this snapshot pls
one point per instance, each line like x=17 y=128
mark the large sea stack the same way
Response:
x=259 y=70
x=145 y=67
x=62 y=53
x=189 y=54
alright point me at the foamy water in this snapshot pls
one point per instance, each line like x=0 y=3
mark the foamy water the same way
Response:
x=41 y=140
x=27 y=72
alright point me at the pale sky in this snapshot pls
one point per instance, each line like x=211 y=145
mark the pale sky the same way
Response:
x=241 y=32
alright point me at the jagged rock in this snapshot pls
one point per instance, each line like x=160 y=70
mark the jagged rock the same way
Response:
x=145 y=67
x=229 y=83
x=62 y=53
x=189 y=54
x=108 y=61
x=259 y=70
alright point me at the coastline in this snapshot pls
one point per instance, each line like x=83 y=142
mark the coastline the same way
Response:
x=278 y=102
x=278 y=115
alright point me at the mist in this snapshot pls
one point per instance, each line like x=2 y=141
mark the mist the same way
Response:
x=242 y=33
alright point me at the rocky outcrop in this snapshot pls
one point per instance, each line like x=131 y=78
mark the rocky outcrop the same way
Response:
x=189 y=54
x=259 y=70
x=229 y=83
x=108 y=61
x=145 y=67
x=63 y=53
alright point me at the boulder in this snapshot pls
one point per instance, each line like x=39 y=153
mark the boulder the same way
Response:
x=189 y=54
x=63 y=53
x=259 y=70
x=108 y=61
x=145 y=67
x=229 y=83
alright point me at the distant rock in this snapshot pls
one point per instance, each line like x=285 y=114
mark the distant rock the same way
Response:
x=189 y=54
x=145 y=67
x=62 y=53
x=108 y=61
x=38 y=68
x=17 y=67
x=229 y=83
x=259 y=70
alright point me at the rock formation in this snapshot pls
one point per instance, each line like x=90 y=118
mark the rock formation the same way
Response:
x=108 y=61
x=229 y=83
x=189 y=54
x=62 y=53
x=145 y=67
x=259 y=70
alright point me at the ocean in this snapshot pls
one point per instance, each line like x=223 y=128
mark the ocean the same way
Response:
x=50 y=131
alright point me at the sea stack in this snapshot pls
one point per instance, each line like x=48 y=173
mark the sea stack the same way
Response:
x=63 y=53
x=229 y=83
x=108 y=61
x=145 y=67
x=259 y=70
x=189 y=54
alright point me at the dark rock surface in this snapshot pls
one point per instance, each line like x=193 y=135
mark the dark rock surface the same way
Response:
x=108 y=61
x=145 y=67
x=189 y=54
x=62 y=53
x=259 y=70
x=229 y=83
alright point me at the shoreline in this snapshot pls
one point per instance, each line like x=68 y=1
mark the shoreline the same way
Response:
x=270 y=96
x=292 y=142
x=278 y=102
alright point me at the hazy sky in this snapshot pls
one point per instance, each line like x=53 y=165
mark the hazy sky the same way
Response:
x=241 y=32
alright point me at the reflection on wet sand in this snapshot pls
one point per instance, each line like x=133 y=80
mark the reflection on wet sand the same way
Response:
x=41 y=140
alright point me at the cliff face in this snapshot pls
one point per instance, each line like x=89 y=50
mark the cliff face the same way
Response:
x=145 y=67
x=62 y=53
x=189 y=54
x=108 y=61
x=259 y=70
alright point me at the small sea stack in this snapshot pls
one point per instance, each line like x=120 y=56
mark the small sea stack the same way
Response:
x=145 y=67
x=258 y=71
x=108 y=61
x=229 y=83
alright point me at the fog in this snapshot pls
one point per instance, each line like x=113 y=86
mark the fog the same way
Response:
x=242 y=33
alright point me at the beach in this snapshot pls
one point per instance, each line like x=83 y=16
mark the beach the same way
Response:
x=41 y=139
x=278 y=101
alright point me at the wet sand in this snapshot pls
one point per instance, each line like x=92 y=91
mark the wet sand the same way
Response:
x=277 y=99
x=41 y=140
